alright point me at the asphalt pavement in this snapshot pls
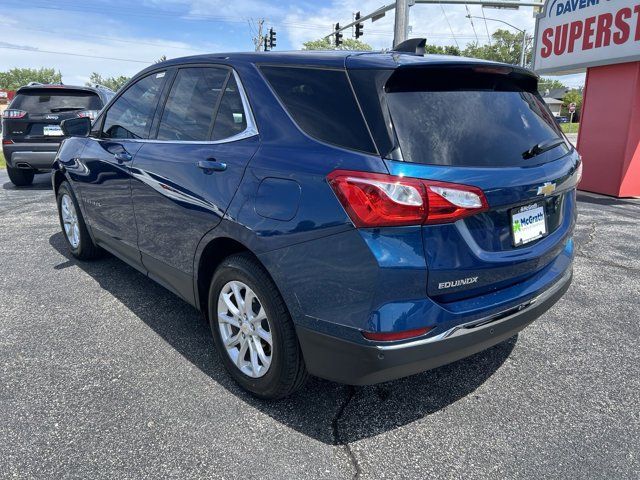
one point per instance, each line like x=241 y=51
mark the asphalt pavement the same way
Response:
x=104 y=374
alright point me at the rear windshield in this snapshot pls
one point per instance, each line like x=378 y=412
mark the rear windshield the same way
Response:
x=55 y=101
x=465 y=118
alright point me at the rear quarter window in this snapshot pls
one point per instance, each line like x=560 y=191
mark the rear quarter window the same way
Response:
x=322 y=104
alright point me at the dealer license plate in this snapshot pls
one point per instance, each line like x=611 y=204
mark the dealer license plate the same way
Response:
x=52 y=130
x=528 y=223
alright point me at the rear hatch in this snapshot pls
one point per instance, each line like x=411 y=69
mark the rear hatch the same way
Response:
x=482 y=126
x=35 y=114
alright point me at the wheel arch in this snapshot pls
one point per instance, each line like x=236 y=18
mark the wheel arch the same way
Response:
x=57 y=178
x=212 y=255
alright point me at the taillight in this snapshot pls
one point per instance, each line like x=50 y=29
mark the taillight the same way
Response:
x=380 y=200
x=13 y=113
x=579 y=172
x=7 y=142
x=449 y=202
x=376 y=200
x=395 y=336
x=90 y=114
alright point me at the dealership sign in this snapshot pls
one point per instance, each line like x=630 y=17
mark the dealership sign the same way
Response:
x=574 y=34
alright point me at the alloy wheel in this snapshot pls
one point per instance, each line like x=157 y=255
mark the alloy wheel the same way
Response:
x=70 y=220
x=245 y=329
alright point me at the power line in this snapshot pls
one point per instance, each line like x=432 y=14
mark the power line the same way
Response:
x=486 y=26
x=82 y=35
x=198 y=17
x=447 y=19
x=37 y=50
x=472 y=25
x=174 y=15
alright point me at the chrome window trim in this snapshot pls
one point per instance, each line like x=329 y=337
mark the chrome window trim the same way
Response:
x=250 y=131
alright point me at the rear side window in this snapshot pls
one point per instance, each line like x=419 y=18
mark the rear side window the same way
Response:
x=321 y=102
x=189 y=112
x=231 y=119
x=43 y=101
x=131 y=114
x=461 y=118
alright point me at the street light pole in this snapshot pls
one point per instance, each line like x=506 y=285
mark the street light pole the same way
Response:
x=523 y=32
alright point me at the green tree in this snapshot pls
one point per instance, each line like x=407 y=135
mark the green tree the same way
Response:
x=446 y=50
x=114 y=83
x=550 y=84
x=328 y=44
x=505 y=47
x=18 y=77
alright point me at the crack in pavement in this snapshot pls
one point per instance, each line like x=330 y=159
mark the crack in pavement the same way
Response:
x=609 y=263
x=590 y=238
x=337 y=438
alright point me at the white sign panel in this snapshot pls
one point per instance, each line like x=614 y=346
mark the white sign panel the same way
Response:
x=574 y=34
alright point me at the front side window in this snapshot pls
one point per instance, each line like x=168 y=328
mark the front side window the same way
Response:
x=189 y=112
x=132 y=113
x=321 y=102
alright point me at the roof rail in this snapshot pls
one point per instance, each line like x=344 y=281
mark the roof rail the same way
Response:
x=415 y=46
x=34 y=84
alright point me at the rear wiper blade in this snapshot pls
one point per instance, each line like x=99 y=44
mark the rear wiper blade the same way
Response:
x=542 y=147
x=66 y=109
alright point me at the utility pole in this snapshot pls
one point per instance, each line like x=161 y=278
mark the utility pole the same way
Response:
x=401 y=22
x=524 y=47
x=258 y=40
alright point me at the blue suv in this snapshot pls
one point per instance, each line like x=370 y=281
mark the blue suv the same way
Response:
x=355 y=216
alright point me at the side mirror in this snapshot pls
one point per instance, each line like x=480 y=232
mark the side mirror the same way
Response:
x=76 y=127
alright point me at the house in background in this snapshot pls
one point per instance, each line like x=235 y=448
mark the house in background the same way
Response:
x=554 y=105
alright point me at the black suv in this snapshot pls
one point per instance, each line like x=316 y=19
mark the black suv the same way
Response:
x=31 y=124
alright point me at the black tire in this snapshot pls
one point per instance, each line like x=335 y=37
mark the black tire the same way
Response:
x=287 y=372
x=20 y=177
x=86 y=249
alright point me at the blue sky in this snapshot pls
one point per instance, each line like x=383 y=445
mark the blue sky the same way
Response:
x=129 y=35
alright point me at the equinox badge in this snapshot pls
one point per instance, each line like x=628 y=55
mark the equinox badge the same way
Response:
x=457 y=283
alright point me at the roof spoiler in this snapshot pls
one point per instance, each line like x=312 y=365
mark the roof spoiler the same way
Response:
x=414 y=46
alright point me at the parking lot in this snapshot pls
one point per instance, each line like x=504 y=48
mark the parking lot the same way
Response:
x=104 y=374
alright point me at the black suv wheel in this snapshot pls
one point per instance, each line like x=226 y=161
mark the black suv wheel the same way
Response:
x=72 y=222
x=20 y=177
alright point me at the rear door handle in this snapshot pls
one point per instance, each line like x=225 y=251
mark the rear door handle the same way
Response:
x=210 y=166
x=122 y=157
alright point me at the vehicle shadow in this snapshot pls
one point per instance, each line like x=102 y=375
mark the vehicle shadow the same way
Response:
x=41 y=181
x=326 y=411
x=598 y=199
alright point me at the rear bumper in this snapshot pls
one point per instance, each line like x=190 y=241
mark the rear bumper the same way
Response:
x=360 y=364
x=39 y=156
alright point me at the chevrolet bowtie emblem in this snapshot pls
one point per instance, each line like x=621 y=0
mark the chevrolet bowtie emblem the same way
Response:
x=547 y=189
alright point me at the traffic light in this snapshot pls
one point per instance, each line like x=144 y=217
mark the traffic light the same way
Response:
x=266 y=44
x=359 y=26
x=272 y=38
x=338 y=35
